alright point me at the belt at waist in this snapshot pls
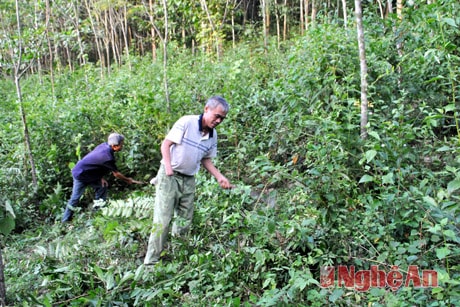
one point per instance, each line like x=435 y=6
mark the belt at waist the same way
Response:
x=182 y=175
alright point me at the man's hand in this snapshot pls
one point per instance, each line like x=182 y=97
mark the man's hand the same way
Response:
x=209 y=166
x=225 y=183
x=104 y=182
x=169 y=170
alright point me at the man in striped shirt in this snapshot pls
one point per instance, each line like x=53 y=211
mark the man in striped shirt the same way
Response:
x=190 y=143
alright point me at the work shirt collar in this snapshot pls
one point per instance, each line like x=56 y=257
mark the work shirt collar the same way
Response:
x=110 y=148
x=200 y=126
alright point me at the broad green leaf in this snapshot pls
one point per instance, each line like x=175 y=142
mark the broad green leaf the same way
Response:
x=374 y=134
x=300 y=283
x=444 y=221
x=128 y=276
x=437 y=290
x=336 y=294
x=444 y=148
x=449 y=233
x=430 y=200
x=376 y=292
x=99 y=272
x=64 y=269
x=366 y=178
x=9 y=208
x=370 y=155
x=110 y=280
x=450 y=21
x=453 y=186
x=7 y=225
x=442 y=252
x=267 y=282
x=449 y=107
x=388 y=178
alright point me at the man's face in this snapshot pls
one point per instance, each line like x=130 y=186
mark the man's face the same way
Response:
x=118 y=147
x=213 y=117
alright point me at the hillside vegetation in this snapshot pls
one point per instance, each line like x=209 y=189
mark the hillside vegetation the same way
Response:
x=310 y=192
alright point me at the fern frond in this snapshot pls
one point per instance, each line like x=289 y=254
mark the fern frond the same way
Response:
x=138 y=207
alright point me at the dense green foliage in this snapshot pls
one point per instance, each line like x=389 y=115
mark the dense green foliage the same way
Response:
x=310 y=192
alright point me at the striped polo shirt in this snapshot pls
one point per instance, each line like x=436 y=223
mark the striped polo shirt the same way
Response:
x=190 y=146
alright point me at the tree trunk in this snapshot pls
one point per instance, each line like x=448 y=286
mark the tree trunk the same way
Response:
x=2 y=282
x=96 y=39
x=302 y=24
x=285 y=20
x=399 y=39
x=124 y=29
x=102 y=19
x=344 y=10
x=389 y=9
x=76 y=18
x=313 y=12
x=214 y=31
x=264 y=10
x=278 y=26
x=165 y=56
x=399 y=13
x=17 y=77
x=233 y=29
x=307 y=13
x=69 y=57
x=363 y=66
x=40 y=57
x=152 y=31
x=28 y=147
x=381 y=9
x=164 y=39
x=50 y=49
x=111 y=32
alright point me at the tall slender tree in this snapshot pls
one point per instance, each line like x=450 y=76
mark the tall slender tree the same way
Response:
x=399 y=38
x=344 y=10
x=164 y=37
x=2 y=281
x=266 y=21
x=95 y=31
x=216 y=16
x=153 y=31
x=18 y=72
x=313 y=11
x=49 y=44
x=363 y=67
x=76 y=25
x=165 y=55
x=285 y=19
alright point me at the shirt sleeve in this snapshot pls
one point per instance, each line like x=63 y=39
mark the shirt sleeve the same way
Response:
x=111 y=166
x=177 y=132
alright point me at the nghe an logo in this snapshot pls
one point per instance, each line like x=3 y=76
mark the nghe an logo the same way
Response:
x=363 y=280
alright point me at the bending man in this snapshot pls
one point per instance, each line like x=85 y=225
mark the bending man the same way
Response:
x=90 y=171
